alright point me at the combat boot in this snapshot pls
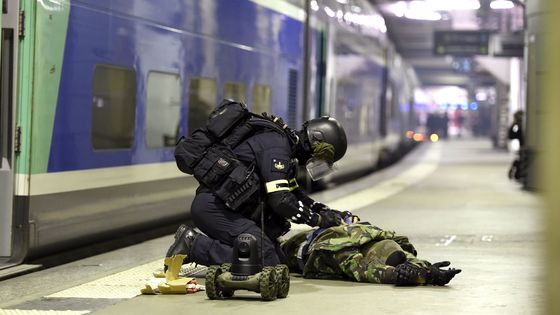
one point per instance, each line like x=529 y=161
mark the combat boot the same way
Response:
x=184 y=238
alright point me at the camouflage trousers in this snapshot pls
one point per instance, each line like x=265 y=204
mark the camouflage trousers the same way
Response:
x=365 y=264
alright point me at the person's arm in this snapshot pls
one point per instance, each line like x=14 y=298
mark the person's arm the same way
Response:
x=319 y=207
x=272 y=151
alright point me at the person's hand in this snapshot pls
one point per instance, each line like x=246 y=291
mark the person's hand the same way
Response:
x=439 y=276
x=330 y=218
x=350 y=218
x=319 y=207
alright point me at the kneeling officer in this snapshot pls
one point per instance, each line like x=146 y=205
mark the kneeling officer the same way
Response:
x=273 y=153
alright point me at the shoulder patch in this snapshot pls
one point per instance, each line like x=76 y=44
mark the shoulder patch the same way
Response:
x=278 y=165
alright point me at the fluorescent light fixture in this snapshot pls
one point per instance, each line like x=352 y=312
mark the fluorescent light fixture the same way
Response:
x=419 y=10
x=342 y=1
x=502 y=4
x=452 y=5
x=356 y=9
x=423 y=15
x=314 y=5
x=329 y=12
x=375 y=21
x=430 y=9
x=399 y=9
x=339 y=14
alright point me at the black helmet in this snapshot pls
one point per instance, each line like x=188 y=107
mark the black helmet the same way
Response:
x=328 y=130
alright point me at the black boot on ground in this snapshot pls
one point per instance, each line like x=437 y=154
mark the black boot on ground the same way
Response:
x=184 y=239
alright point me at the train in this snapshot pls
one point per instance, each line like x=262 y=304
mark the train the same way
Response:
x=95 y=94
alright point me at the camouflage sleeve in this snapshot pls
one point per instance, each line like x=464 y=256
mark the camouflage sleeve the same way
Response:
x=405 y=244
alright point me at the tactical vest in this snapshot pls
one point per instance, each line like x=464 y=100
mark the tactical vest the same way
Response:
x=207 y=153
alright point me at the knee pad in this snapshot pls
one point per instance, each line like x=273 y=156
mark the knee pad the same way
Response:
x=384 y=252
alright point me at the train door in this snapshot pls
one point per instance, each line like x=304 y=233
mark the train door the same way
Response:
x=8 y=58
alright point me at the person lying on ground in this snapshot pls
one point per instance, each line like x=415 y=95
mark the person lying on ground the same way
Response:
x=362 y=252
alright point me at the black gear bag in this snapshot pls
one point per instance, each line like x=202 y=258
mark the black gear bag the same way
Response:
x=190 y=150
x=207 y=153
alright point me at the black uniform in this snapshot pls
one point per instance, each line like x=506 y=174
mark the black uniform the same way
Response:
x=272 y=154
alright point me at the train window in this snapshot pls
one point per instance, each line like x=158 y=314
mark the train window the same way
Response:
x=202 y=101
x=113 y=107
x=235 y=91
x=262 y=99
x=163 y=109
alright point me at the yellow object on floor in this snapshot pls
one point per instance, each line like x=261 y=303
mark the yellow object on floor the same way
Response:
x=170 y=282
x=173 y=264
x=177 y=286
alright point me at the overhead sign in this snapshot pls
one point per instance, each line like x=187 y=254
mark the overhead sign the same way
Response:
x=461 y=43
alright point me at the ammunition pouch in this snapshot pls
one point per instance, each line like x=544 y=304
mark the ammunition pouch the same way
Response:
x=214 y=166
x=238 y=186
x=226 y=176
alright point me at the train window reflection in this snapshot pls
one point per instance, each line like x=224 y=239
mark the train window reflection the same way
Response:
x=113 y=107
x=262 y=99
x=163 y=109
x=202 y=100
x=235 y=91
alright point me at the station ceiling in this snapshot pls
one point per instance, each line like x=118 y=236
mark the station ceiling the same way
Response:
x=414 y=39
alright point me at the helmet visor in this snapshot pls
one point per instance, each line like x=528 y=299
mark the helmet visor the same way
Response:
x=317 y=168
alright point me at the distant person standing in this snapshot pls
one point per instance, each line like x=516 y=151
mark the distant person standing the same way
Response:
x=445 y=125
x=515 y=132
x=516 y=128
x=432 y=123
x=459 y=119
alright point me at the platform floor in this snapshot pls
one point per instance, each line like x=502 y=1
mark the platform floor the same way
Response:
x=451 y=198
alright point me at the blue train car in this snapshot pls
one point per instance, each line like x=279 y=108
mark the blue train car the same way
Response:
x=100 y=90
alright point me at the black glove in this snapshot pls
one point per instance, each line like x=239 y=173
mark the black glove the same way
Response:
x=319 y=207
x=330 y=218
x=438 y=276
x=353 y=218
x=410 y=274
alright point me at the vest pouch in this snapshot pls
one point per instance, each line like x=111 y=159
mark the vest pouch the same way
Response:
x=190 y=150
x=241 y=184
x=215 y=166
x=226 y=116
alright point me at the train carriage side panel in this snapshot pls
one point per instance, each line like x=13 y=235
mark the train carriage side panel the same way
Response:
x=87 y=192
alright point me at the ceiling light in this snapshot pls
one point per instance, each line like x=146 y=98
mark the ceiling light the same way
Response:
x=314 y=5
x=418 y=10
x=339 y=14
x=501 y=4
x=399 y=8
x=447 y=5
x=329 y=12
x=356 y=9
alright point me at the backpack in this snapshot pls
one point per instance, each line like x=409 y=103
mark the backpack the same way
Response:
x=207 y=153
